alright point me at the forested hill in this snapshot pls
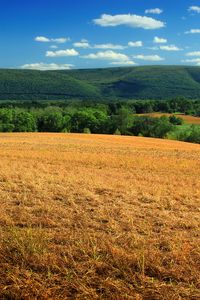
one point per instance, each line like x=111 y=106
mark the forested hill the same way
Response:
x=147 y=82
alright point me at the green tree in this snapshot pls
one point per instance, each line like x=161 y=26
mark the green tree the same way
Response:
x=66 y=123
x=151 y=127
x=89 y=118
x=161 y=127
x=124 y=120
x=24 y=122
x=82 y=119
x=6 y=116
x=6 y=120
x=51 y=121
x=194 y=135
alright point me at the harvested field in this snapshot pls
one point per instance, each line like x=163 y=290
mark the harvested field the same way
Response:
x=99 y=217
x=187 y=119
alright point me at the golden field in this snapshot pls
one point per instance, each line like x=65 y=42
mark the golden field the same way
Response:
x=99 y=217
x=186 y=118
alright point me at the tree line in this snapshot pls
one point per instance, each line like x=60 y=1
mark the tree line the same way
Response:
x=177 y=104
x=98 y=118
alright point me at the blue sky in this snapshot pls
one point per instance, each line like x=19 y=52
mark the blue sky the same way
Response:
x=65 y=34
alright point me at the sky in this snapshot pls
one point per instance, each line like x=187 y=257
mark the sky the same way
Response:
x=74 y=34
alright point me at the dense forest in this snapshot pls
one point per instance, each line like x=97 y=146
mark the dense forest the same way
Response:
x=115 y=117
x=145 y=82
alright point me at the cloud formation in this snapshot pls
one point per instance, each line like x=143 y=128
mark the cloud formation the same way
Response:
x=192 y=31
x=194 y=53
x=82 y=44
x=148 y=57
x=62 y=53
x=170 y=48
x=44 y=39
x=194 y=9
x=129 y=20
x=109 y=46
x=123 y=63
x=44 y=67
x=107 y=55
x=54 y=47
x=194 y=60
x=155 y=11
x=158 y=40
x=135 y=44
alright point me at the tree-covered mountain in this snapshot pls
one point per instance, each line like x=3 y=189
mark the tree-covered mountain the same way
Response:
x=146 y=82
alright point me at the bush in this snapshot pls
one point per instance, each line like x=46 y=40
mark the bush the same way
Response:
x=194 y=135
x=6 y=127
x=117 y=132
x=86 y=130
x=176 y=120
x=189 y=134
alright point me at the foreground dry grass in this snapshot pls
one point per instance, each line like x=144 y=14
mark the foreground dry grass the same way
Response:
x=186 y=118
x=98 y=217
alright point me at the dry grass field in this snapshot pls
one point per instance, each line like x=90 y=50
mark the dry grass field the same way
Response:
x=186 y=118
x=99 y=217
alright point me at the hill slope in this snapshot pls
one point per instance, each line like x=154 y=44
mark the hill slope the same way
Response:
x=20 y=84
x=148 y=82
x=98 y=217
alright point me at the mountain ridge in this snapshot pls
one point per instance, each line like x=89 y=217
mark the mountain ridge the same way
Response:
x=124 y=83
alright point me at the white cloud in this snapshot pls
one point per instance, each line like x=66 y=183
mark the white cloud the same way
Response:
x=158 y=40
x=135 y=44
x=107 y=55
x=61 y=53
x=82 y=44
x=60 y=40
x=129 y=20
x=194 y=9
x=170 y=48
x=194 y=53
x=45 y=67
x=156 y=11
x=149 y=57
x=109 y=46
x=54 y=47
x=194 y=60
x=85 y=45
x=192 y=31
x=123 y=63
x=44 y=39
x=155 y=48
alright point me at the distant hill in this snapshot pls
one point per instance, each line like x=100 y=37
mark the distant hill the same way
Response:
x=146 y=82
